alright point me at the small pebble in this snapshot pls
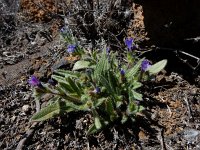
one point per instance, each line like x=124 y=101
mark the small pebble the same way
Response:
x=13 y=118
x=190 y=134
x=6 y=53
x=193 y=91
x=25 y=108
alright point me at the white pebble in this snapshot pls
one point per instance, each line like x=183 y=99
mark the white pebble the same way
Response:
x=25 y=108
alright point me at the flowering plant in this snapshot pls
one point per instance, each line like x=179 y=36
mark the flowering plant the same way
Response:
x=101 y=85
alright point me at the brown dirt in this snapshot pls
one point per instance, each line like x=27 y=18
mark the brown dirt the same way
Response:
x=40 y=10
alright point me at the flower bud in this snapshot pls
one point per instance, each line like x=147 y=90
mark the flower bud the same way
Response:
x=129 y=43
x=33 y=81
x=122 y=72
x=145 y=65
x=97 y=90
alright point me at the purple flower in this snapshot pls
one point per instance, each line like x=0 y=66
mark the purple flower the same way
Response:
x=71 y=48
x=129 y=43
x=122 y=72
x=33 y=81
x=107 y=50
x=97 y=90
x=63 y=30
x=145 y=65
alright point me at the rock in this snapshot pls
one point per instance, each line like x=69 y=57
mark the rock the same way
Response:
x=25 y=108
x=6 y=53
x=190 y=134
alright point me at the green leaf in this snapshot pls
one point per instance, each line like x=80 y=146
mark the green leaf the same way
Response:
x=67 y=73
x=53 y=100
x=71 y=97
x=85 y=98
x=75 y=107
x=92 y=129
x=46 y=88
x=119 y=101
x=137 y=95
x=133 y=71
x=130 y=57
x=81 y=64
x=113 y=81
x=60 y=90
x=97 y=123
x=59 y=79
x=124 y=118
x=110 y=110
x=136 y=85
x=157 y=67
x=140 y=108
x=102 y=66
x=51 y=111
x=66 y=87
x=99 y=101
x=37 y=93
x=74 y=86
x=131 y=108
x=106 y=84
x=118 y=104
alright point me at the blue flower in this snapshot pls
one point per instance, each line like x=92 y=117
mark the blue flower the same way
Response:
x=129 y=43
x=63 y=30
x=145 y=65
x=33 y=81
x=71 y=48
x=122 y=72
x=97 y=90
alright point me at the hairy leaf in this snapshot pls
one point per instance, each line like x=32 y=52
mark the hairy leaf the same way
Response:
x=137 y=95
x=99 y=101
x=74 y=86
x=51 y=111
x=97 y=123
x=133 y=71
x=107 y=85
x=113 y=82
x=157 y=67
x=66 y=87
x=136 y=85
x=81 y=64
x=124 y=118
x=67 y=73
x=59 y=79
x=110 y=110
x=102 y=67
